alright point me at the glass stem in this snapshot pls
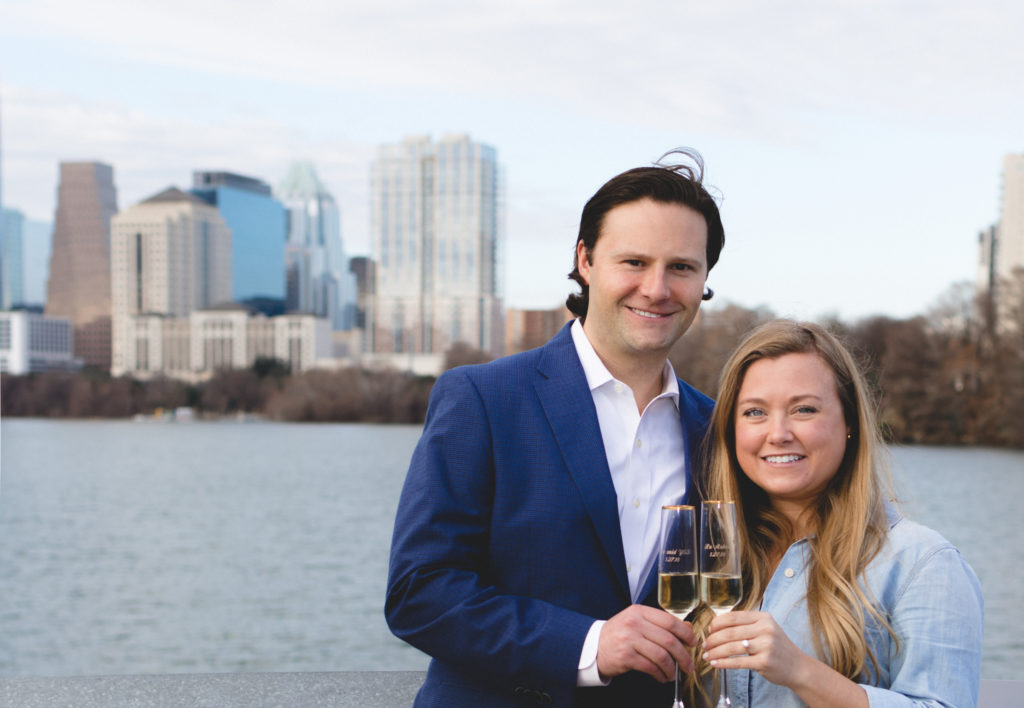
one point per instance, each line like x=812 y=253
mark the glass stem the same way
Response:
x=679 y=699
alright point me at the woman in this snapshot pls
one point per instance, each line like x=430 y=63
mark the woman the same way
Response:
x=845 y=602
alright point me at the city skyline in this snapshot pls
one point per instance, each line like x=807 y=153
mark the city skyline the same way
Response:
x=858 y=148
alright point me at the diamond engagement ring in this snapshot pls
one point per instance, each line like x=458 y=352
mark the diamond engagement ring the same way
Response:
x=746 y=645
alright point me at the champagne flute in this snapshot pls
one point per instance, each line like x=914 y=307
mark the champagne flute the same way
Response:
x=721 y=586
x=677 y=568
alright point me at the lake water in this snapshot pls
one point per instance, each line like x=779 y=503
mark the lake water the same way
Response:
x=141 y=548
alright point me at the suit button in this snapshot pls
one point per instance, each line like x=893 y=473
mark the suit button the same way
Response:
x=538 y=697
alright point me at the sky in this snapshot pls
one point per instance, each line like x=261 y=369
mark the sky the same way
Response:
x=856 y=147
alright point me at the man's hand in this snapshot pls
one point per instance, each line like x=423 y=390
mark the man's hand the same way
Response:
x=646 y=639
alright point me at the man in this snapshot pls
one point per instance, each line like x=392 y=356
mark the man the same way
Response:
x=523 y=557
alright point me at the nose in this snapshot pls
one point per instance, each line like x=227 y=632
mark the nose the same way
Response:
x=779 y=430
x=654 y=285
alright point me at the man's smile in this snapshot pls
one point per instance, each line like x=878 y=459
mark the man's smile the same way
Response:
x=647 y=313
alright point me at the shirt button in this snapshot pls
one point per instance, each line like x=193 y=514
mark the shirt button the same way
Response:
x=639 y=443
x=790 y=572
x=629 y=567
x=619 y=388
x=636 y=503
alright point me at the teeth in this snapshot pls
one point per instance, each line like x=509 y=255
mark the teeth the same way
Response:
x=783 y=458
x=643 y=313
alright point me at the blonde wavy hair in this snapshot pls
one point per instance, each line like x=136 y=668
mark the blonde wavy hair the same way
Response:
x=848 y=521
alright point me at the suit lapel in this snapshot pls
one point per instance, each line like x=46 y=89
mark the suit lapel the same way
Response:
x=569 y=407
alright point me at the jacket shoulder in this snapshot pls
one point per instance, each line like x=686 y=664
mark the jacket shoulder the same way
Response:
x=553 y=355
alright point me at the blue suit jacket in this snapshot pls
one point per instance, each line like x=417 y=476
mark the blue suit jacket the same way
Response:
x=507 y=545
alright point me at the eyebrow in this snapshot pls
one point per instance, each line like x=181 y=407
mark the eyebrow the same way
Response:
x=792 y=399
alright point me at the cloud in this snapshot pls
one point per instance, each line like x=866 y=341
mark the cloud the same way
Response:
x=150 y=152
x=748 y=67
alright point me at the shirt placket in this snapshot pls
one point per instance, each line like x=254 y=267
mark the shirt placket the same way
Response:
x=632 y=506
x=642 y=486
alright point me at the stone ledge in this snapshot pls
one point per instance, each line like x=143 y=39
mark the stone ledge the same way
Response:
x=363 y=689
x=350 y=689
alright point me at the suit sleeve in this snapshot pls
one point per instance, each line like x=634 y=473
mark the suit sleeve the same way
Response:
x=441 y=598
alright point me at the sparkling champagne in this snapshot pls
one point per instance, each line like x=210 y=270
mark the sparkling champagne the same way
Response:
x=720 y=591
x=677 y=593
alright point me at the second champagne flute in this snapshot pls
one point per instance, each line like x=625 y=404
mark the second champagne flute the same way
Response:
x=721 y=586
x=677 y=567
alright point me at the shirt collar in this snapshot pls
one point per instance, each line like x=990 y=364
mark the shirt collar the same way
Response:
x=597 y=373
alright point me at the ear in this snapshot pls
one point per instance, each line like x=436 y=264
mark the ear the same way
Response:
x=583 y=262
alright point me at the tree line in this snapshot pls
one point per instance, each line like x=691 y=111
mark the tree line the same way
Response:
x=267 y=389
x=954 y=376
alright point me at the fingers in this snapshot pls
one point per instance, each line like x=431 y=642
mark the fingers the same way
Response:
x=752 y=640
x=735 y=618
x=732 y=627
x=644 y=639
x=724 y=646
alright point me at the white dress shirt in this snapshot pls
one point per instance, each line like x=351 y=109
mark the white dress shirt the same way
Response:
x=646 y=457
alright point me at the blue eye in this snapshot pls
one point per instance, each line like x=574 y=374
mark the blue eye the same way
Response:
x=752 y=413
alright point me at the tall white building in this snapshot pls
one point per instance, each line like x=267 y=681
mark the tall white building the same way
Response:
x=1001 y=246
x=169 y=255
x=317 y=275
x=1010 y=240
x=436 y=223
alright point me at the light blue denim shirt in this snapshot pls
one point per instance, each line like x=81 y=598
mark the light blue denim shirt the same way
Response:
x=932 y=600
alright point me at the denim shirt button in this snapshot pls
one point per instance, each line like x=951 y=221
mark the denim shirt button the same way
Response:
x=790 y=572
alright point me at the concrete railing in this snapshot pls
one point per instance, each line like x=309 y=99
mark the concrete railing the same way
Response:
x=366 y=689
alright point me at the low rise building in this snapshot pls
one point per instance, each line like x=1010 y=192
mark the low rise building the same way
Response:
x=31 y=342
x=192 y=348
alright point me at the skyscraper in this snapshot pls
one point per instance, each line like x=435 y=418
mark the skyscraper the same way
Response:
x=12 y=262
x=317 y=274
x=35 y=248
x=169 y=255
x=258 y=231
x=1 y=196
x=1001 y=246
x=364 y=269
x=436 y=234
x=1010 y=241
x=79 y=284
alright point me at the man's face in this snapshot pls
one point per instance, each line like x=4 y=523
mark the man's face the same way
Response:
x=646 y=276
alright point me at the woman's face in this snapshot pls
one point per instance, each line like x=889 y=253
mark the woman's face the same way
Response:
x=790 y=429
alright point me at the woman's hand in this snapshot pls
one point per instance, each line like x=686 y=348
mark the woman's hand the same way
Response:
x=753 y=640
